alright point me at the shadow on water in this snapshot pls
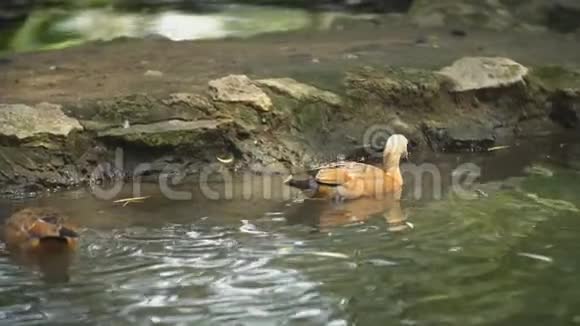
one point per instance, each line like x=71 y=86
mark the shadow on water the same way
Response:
x=497 y=257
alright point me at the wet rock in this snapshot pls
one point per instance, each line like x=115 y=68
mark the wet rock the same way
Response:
x=459 y=137
x=300 y=91
x=139 y=109
x=23 y=122
x=475 y=73
x=239 y=89
x=565 y=108
x=171 y=133
x=27 y=171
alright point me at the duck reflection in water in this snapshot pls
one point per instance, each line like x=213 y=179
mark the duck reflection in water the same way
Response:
x=42 y=238
x=325 y=215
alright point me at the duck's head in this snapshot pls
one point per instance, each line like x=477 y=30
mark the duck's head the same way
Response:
x=397 y=145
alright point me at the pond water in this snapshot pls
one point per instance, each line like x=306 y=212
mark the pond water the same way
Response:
x=507 y=255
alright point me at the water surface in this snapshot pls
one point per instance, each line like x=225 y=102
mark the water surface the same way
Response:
x=508 y=256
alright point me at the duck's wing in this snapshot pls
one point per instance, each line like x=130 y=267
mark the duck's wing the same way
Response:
x=342 y=173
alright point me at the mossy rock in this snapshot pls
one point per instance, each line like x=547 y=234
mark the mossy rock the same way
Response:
x=172 y=133
x=140 y=108
x=392 y=84
x=555 y=77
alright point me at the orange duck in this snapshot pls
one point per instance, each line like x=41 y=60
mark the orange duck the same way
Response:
x=351 y=180
x=39 y=230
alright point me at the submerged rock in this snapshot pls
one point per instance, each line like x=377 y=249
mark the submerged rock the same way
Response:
x=474 y=73
x=24 y=122
x=300 y=91
x=239 y=89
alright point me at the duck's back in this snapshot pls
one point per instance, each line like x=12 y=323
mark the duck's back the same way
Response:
x=33 y=229
x=354 y=180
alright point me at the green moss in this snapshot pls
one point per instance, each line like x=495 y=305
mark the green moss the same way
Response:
x=556 y=77
x=392 y=84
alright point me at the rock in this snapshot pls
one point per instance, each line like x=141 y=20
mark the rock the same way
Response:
x=139 y=109
x=24 y=122
x=174 y=133
x=392 y=85
x=565 y=108
x=300 y=91
x=239 y=89
x=474 y=73
x=557 y=78
x=459 y=137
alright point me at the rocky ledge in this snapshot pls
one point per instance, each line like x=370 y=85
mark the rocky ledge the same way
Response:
x=283 y=124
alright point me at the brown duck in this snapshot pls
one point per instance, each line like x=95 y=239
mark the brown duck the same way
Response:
x=39 y=230
x=351 y=180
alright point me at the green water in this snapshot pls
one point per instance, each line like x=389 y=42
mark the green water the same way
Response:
x=508 y=254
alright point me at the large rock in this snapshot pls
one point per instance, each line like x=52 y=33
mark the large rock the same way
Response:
x=300 y=91
x=24 y=122
x=473 y=73
x=239 y=89
x=174 y=133
x=139 y=109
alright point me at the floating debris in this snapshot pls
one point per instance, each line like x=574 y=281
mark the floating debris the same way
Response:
x=481 y=193
x=153 y=73
x=329 y=254
x=497 y=148
x=225 y=160
x=126 y=201
x=248 y=227
x=382 y=262
x=537 y=257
